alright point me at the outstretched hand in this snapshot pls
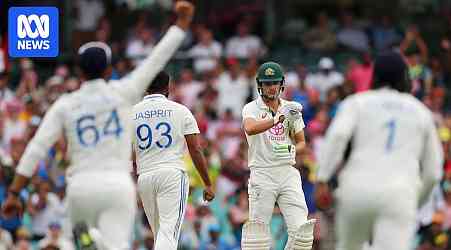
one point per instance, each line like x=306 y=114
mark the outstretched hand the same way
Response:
x=185 y=13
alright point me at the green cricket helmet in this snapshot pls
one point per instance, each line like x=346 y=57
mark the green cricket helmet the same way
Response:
x=270 y=73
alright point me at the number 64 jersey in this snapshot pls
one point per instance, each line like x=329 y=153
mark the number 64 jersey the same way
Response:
x=393 y=139
x=160 y=126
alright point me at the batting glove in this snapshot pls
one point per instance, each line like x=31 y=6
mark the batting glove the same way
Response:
x=292 y=111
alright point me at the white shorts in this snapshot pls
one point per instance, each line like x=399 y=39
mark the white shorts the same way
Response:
x=164 y=193
x=104 y=200
x=282 y=185
x=384 y=218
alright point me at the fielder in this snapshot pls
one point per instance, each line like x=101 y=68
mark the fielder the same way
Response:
x=95 y=122
x=274 y=132
x=161 y=129
x=394 y=162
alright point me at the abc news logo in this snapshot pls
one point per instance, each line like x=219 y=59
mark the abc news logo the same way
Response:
x=33 y=31
x=24 y=30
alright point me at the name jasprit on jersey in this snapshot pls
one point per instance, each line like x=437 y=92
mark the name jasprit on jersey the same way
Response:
x=157 y=113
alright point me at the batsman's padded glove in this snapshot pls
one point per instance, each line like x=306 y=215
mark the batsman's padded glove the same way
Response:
x=292 y=111
x=284 y=151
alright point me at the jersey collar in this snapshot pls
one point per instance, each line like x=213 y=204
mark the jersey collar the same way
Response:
x=261 y=104
x=153 y=96
x=92 y=84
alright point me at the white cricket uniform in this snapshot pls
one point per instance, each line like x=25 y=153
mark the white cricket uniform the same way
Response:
x=95 y=121
x=272 y=179
x=159 y=142
x=395 y=160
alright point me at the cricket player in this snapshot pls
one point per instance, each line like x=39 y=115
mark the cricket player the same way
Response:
x=95 y=120
x=394 y=162
x=163 y=129
x=274 y=132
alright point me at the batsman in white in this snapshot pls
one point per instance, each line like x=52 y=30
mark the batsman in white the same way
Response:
x=95 y=120
x=394 y=162
x=274 y=132
x=163 y=129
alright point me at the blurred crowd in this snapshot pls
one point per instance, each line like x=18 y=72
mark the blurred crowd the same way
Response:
x=215 y=78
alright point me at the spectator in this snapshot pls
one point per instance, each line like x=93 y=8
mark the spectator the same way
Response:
x=72 y=84
x=227 y=132
x=384 y=34
x=54 y=88
x=31 y=108
x=6 y=94
x=352 y=37
x=232 y=81
x=294 y=79
x=333 y=100
x=141 y=46
x=44 y=208
x=6 y=240
x=55 y=238
x=215 y=242
x=326 y=78
x=416 y=52
x=238 y=213
x=28 y=78
x=188 y=89
x=321 y=37
x=204 y=214
x=434 y=235
x=206 y=52
x=22 y=245
x=13 y=126
x=103 y=32
x=445 y=58
x=244 y=45
x=32 y=127
x=234 y=172
x=361 y=74
x=87 y=13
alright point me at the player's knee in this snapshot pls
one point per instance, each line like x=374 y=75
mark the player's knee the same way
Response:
x=302 y=239
x=255 y=236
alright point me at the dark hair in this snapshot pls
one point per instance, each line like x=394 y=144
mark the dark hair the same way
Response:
x=160 y=83
x=94 y=58
x=390 y=70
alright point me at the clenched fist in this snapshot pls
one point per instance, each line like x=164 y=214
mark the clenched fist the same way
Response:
x=185 y=13
x=209 y=194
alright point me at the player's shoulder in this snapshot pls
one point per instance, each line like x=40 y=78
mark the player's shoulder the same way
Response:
x=416 y=104
x=65 y=101
x=251 y=105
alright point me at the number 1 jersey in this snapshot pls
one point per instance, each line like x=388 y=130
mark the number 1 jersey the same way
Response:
x=160 y=126
x=393 y=141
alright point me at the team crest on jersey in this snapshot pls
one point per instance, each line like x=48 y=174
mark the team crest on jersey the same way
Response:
x=278 y=129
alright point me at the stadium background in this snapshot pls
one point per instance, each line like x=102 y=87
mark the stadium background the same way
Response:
x=213 y=74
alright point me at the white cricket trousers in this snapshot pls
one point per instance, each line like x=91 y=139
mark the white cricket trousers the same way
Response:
x=164 y=194
x=105 y=200
x=282 y=185
x=385 y=218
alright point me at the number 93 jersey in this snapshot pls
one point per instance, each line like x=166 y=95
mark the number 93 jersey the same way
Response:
x=160 y=126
